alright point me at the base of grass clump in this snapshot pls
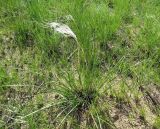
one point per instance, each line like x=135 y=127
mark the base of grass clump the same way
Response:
x=81 y=101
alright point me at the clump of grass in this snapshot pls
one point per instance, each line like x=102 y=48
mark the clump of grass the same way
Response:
x=78 y=96
x=81 y=94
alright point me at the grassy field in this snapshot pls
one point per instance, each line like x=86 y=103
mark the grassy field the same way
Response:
x=108 y=78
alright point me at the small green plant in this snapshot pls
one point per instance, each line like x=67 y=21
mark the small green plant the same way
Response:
x=142 y=114
x=157 y=123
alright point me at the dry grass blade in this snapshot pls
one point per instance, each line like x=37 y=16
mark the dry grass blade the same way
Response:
x=66 y=116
